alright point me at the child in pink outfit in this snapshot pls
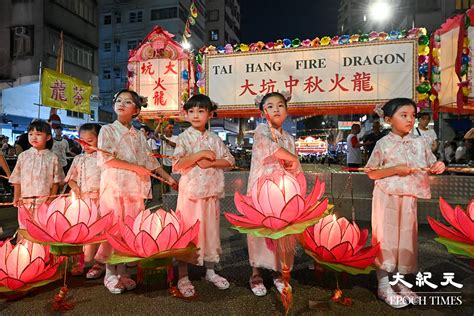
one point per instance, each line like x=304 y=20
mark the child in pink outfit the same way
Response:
x=399 y=164
x=84 y=180
x=273 y=151
x=37 y=173
x=200 y=157
x=125 y=178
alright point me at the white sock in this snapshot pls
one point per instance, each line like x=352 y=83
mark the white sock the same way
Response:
x=110 y=269
x=382 y=277
x=210 y=273
x=122 y=270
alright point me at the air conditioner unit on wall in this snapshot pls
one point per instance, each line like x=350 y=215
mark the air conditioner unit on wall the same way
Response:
x=20 y=30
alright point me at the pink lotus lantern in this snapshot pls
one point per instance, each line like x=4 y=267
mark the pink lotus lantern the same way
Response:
x=25 y=265
x=278 y=206
x=458 y=239
x=338 y=245
x=67 y=221
x=151 y=235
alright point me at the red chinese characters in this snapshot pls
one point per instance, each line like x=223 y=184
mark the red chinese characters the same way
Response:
x=78 y=97
x=58 y=89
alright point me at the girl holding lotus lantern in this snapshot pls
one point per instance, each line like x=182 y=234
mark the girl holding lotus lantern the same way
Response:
x=84 y=179
x=273 y=152
x=399 y=164
x=200 y=157
x=37 y=174
x=127 y=163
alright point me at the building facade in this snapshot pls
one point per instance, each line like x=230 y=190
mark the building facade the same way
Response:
x=125 y=23
x=222 y=22
x=29 y=34
x=358 y=16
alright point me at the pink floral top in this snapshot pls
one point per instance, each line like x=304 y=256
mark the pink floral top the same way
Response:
x=413 y=151
x=197 y=183
x=36 y=171
x=263 y=160
x=85 y=172
x=129 y=145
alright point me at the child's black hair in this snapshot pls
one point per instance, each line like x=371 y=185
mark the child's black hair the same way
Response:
x=269 y=95
x=201 y=101
x=138 y=100
x=422 y=114
x=393 y=105
x=43 y=127
x=90 y=127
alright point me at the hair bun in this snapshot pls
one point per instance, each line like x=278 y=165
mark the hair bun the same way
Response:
x=143 y=101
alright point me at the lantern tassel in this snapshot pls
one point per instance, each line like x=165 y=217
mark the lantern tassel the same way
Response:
x=338 y=296
x=59 y=301
x=287 y=293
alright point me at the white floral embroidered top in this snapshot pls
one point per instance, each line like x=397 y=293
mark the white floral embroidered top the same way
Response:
x=264 y=147
x=413 y=151
x=197 y=183
x=85 y=172
x=130 y=145
x=36 y=171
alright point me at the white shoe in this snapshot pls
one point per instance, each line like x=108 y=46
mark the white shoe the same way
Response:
x=280 y=285
x=391 y=298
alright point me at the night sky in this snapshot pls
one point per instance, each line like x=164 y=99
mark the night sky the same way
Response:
x=269 y=20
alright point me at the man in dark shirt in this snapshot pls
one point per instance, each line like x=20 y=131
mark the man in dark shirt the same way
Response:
x=371 y=139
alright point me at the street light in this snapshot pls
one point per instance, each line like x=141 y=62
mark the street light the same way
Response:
x=379 y=10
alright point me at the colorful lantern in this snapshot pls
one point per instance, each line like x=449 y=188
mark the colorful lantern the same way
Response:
x=68 y=220
x=278 y=206
x=25 y=265
x=459 y=238
x=150 y=234
x=338 y=245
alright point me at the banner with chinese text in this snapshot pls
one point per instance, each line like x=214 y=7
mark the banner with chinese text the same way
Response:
x=329 y=79
x=64 y=92
x=159 y=81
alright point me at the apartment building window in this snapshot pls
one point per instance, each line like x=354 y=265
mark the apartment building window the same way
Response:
x=135 y=16
x=164 y=14
x=106 y=74
x=212 y=15
x=85 y=9
x=118 y=17
x=22 y=40
x=92 y=115
x=132 y=44
x=75 y=114
x=117 y=73
x=214 y=35
x=117 y=45
x=107 y=46
x=107 y=19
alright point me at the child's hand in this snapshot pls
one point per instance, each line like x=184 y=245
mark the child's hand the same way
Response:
x=174 y=184
x=205 y=163
x=438 y=167
x=403 y=170
x=207 y=154
x=142 y=171
x=17 y=202
x=76 y=192
x=291 y=166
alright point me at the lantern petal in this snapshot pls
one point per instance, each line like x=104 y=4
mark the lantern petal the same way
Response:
x=32 y=270
x=316 y=193
x=5 y=250
x=333 y=237
x=12 y=283
x=77 y=234
x=309 y=240
x=120 y=246
x=57 y=224
x=448 y=213
x=38 y=233
x=271 y=199
x=293 y=209
x=139 y=244
x=129 y=237
x=241 y=221
x=274 y=223
x=167 y=237
x=47 y=273
x=99 y=227
x=247 y=209
x=363 y=259
x=149 y=244
x=446 y=232
x=470 y=210
x=325 y=254
x=188 y=236
x=18 y=259
x=315 y=211
x=465 y=223
x=342 y=251
x=301 y=179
